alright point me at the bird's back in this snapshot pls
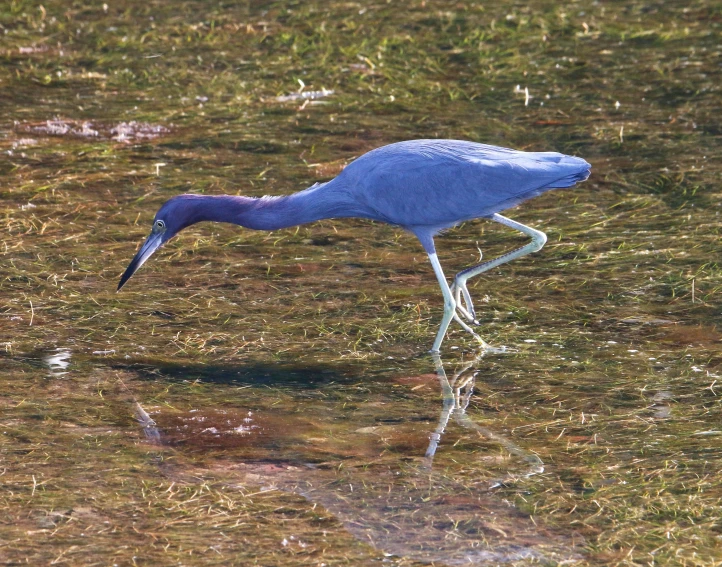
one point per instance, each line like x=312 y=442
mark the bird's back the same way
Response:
x=436 y=184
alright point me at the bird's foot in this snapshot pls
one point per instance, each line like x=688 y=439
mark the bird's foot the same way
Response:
x=483 y=345
x=457 y=289
x=470 y=317
x=470 y=330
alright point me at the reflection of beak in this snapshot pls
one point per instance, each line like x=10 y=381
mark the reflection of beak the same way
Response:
x=151 y=244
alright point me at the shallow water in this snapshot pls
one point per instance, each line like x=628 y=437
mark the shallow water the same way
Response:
x=266 y=398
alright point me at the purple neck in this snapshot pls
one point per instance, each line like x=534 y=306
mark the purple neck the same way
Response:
x=270 y=213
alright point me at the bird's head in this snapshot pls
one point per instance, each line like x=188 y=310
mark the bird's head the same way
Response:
x=176 y=214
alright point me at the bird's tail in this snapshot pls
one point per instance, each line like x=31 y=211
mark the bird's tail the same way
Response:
x=576 y=170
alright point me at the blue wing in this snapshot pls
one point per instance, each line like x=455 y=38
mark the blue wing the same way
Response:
x=440 y=183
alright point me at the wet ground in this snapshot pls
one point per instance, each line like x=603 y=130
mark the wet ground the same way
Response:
x=257 y=398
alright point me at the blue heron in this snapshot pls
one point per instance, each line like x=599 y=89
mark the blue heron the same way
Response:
x=423 y=186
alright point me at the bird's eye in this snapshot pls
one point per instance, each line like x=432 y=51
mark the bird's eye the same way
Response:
x=159 y=225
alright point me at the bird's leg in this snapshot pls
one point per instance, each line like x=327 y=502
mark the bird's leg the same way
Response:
x=449 y=307
x=449 y=303
x=538 y=239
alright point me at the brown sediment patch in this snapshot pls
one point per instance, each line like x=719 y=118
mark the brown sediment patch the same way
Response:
x=418 y=380
x=84 y=129
x=226 y=428
x=701 y=335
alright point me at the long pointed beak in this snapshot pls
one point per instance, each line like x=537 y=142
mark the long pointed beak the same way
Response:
x=151 y=244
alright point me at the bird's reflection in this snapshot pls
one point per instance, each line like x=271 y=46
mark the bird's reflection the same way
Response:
x=456 y=395
x=400 y=504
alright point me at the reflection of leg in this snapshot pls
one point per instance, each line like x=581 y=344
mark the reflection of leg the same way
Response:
x=538 y=239
x=446 y=410
x=535 y=463
x=456 y=396
x=452 y=401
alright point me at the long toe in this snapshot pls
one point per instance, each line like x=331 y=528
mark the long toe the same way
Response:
x=469 y=303
x=464 y=313
x=469 y=316
x=470 y=331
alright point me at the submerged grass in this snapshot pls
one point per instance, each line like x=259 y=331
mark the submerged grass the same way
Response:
x=612 y=374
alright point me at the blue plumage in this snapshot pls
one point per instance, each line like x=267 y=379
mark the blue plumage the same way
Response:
x=440 y=183
x=423 y=186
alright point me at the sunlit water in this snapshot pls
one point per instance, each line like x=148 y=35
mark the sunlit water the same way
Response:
x=434 y=464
